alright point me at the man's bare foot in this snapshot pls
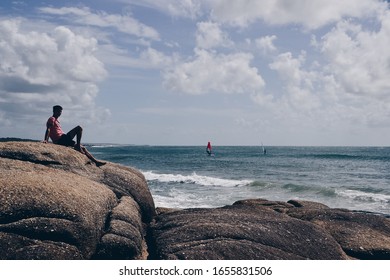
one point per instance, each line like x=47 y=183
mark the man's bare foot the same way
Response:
x=100 y=163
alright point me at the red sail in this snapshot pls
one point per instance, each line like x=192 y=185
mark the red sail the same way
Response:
x=208 y=148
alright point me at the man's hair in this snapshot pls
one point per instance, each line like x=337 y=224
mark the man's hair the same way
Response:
x=57 y=107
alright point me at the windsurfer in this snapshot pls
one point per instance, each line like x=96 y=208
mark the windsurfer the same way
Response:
x=208 y=149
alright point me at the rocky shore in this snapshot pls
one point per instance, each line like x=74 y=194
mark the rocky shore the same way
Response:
x=56 y=204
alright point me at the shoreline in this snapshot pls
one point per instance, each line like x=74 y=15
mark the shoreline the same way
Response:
x=18 y=139
x=56 y=205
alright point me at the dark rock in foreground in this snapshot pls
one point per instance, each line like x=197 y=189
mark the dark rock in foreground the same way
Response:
x=268 y=230
x=56 y=204
x=361 y=235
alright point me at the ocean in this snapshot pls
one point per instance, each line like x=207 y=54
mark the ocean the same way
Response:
x=355 y=178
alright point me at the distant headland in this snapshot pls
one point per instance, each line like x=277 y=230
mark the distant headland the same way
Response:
x=16 y=139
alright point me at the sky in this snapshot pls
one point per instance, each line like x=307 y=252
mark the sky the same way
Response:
x=185 y=72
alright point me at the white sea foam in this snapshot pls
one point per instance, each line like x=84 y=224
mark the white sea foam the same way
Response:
x=182 y=199
x=106 y=145
x=340 y=177
x=364 y=196
x=194 y=179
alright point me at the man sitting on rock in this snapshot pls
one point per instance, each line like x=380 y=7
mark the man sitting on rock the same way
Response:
x=54 y=131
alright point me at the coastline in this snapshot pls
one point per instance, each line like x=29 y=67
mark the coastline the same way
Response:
x=182 y=176
x=108 y=212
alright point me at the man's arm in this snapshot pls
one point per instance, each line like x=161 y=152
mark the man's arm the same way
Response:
x=47 y=133
x=49 y=125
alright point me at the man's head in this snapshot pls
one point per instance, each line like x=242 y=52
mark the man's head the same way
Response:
x=57 y=110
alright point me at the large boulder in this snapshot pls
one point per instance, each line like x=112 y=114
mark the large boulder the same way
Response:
x=361 y=235
x=261 y=229
x=56 y=204
x=240 y=232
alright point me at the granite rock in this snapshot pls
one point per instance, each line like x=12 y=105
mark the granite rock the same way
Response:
x=270 y=230
x=56 y=204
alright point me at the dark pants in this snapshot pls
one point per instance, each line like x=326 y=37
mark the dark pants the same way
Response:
x=65 y=140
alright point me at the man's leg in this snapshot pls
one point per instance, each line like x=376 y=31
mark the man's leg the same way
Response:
x=78 y=132
x=91 y=157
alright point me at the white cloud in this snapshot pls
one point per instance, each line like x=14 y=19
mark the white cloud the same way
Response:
x=209 y=35
x=308 y=13
x=300 y=83
x=175 y=8
x=359 y=59
x=266 y=44
x=156 y=59
x=349 y=88
x=123 y=23
x=38 y=70
x=211 y=72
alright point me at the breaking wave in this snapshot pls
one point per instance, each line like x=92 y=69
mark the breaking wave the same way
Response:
x=194 y=179
x=364 y=196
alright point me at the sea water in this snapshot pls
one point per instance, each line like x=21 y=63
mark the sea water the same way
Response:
x=355 y=178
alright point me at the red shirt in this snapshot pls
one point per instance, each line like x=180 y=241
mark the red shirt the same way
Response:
x=55 y=129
